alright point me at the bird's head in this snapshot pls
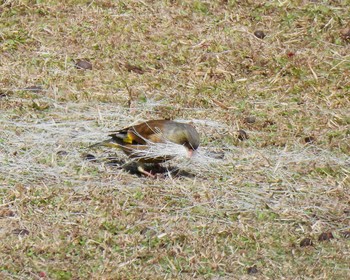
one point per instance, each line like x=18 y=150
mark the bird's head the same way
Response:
x=189 y=138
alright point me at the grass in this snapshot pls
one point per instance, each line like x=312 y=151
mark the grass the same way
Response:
x=64 y=217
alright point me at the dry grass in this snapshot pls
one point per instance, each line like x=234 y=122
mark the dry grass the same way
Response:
x=64 y=217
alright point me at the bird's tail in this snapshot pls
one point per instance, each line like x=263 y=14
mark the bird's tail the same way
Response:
x=111 y=143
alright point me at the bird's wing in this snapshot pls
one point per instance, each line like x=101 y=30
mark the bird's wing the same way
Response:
x=140 y=134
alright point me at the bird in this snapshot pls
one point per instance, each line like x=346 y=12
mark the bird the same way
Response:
x=136 y=140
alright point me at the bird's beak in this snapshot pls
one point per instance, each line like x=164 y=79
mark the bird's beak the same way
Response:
x=190 y=153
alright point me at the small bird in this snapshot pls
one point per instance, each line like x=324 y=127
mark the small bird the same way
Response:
x=136 y=140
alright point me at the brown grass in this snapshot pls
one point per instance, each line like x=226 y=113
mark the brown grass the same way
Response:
x=64 y=217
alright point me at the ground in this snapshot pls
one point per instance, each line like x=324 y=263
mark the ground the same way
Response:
x=266 y=83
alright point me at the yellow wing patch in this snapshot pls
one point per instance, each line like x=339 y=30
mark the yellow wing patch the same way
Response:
x=128 y=138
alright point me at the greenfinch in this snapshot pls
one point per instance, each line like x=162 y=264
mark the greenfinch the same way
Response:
x=137 y=140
